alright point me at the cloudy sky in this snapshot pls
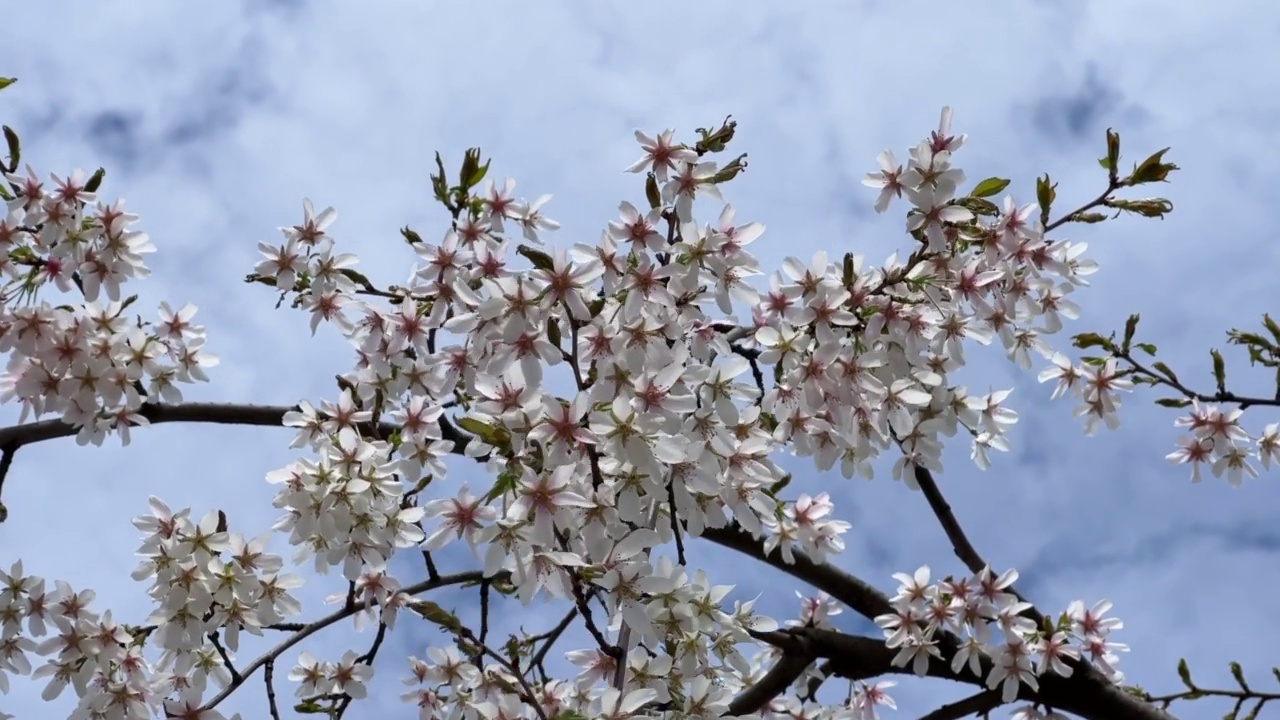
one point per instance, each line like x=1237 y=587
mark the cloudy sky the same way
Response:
x=214 y=125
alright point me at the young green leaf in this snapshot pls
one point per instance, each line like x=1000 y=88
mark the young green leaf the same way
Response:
x=1219 y=370
x=651 y=192
x=410 y=236
x=1045 y=194
x=1271 y=326
x=1130 y=327
x=1168 y=371
x=1184 y=674
x=1088 y=340
x=1112 y=161
x=1151 y=170
x=436 y=614
x=95 y=181
x=989 y=187
x=1238 y=674
x=540 y=260
x=553 y=332
x=978 y=206
x=15 y=149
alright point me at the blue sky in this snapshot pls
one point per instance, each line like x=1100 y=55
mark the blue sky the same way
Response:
x=215 y=125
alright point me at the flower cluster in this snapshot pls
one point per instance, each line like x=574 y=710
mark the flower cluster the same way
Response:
x=204 y=579
x=1217 y=438
x=621 y=407
x=996 y=638
x=85 y=360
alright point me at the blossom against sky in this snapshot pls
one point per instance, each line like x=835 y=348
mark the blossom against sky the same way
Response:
x=215 y=127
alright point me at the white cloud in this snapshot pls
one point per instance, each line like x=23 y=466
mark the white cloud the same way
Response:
x=232 y=115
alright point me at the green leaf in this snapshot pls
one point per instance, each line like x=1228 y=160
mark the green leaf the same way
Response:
x=1173 y=402
x=781 y=485
x=1112 y=160
x=729 y=171
x=1147 y=348
x=1271 y=326
x=715 y=141
x=1045 y=194
x=1151 y=170
x=6 y=82
x=505 y=483
x=978 y=206
x=553 y=332
x=436 y=614
x=15 y=150
x=1087 y=217
x=1237 y=673
x=989 y=187
x=651 y=192
x=256 y=278
x=846 y=271
x=479 y=428
x=1219 y=370
x=410 y=236
x=356 y=277
x=472 y=171
x=1165 y=369
x=1130 y=327
x=540 y=260
x=1184 y=674
x=1088 y=340
x=439 y=185
x=95 y=181
x=1147 y=207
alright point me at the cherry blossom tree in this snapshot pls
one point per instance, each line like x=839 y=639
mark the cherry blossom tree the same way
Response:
x=623 y=397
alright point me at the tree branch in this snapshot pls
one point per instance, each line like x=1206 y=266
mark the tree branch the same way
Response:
x=968 y=554
x=15 y=436
x=334 y=617
x=775 y=682
x=978 y=704
x=852 y=591
x=857 y=658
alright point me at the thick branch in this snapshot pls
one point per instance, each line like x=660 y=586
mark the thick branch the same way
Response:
x=774 y=683
x=853 y=592
x=15 y=436
x=1084 y=673
x=858 y=658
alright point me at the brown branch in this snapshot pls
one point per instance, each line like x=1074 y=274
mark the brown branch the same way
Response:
x=330 y=619
x=858 y=658
x=978 y=704
x=15 y=436
x=960 y=544
x=1083 y=672
x=774 y=683
x=852 y=591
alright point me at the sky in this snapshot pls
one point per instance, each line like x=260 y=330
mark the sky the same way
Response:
x=215 y=124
